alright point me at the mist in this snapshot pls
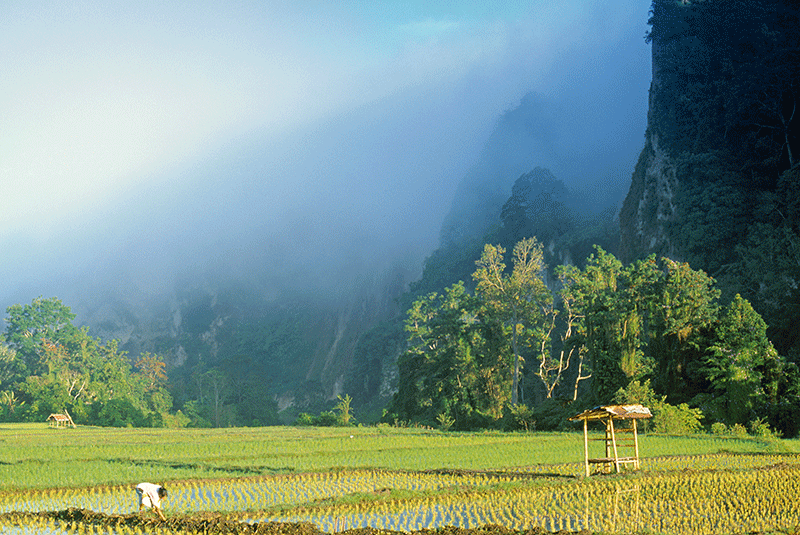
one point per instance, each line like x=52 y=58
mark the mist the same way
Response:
x=300 y=148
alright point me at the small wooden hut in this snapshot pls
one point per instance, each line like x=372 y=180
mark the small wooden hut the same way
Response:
x=60 y=420
x=613 y=444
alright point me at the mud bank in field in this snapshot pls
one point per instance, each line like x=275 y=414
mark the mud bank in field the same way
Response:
x=212 y=523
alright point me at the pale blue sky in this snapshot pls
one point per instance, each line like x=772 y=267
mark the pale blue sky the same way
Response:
x=104 y=101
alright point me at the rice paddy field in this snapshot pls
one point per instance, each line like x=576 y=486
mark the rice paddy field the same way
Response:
x=311 y=480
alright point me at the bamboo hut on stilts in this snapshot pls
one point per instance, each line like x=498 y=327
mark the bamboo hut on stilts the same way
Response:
x=613 y=444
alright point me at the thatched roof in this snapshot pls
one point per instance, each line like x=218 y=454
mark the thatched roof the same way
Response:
x=615 y=412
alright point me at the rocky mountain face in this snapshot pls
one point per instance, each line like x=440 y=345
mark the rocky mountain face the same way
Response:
x=236 y=356
x=716 y=183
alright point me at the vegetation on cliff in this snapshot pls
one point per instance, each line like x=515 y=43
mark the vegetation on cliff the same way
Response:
x=716 y=184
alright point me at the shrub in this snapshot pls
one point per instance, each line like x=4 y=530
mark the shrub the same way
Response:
x=519 y=417
x=760 y=428
x=718 y=428
x=445 y=421
x=738 y=430
x=326 y=419
x=304 y=419
x=552 y=414
x=668 y=419
x=119 y=413
x=676 y=420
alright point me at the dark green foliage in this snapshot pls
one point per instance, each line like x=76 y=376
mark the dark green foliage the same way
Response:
x=742 y=367
x=717 y=182
x=553 y=414
x=683 y=313
x=118 y=413
x=727 y=78
x=323 y=419
x=661 y=322
x=519 y=418
x=650 y=322
x=612 y=301
x=457 y=363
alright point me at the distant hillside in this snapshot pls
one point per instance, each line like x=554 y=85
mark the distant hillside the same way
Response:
x=539 y=205
x=527 y=136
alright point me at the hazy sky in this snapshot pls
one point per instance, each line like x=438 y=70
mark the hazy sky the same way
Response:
x=161 y=134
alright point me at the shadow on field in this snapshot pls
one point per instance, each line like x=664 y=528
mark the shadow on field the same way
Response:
x=232 y=470
x=499 y=474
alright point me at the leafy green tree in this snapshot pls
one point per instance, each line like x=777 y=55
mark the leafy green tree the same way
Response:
x=27 y=326
x=50 y=365
x=520 y=299
x=649 y=316
x=344 y=409
x=612 y=303
x=456 y=365
x=9 y=364
x=683 y=313
x=742 y=366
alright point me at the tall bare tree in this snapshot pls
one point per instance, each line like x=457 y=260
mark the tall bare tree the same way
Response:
x=520 y=298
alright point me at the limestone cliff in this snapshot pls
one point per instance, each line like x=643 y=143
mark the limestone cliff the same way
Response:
x=715 y=184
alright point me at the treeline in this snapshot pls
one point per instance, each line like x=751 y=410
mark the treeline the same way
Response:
x=514 y=353
x=48 y=365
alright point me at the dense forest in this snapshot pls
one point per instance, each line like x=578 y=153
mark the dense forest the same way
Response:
x=536 y=304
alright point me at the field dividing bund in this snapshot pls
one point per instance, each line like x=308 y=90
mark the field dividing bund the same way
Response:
x=388 y=479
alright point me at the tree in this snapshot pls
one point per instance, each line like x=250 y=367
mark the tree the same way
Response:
x=610 y=302
x=345 y=411
x=456 y=364
x=573 y=338
x=741 y=365
x=27 y=326
x=152 y=369
x=683 y=312
x=50 y=365
x=520 y=299
x=637 y=318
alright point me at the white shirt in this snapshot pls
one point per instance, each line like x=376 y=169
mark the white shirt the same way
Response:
x=148 y=494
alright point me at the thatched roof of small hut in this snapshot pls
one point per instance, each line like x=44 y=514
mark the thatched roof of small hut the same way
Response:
x=615 y=412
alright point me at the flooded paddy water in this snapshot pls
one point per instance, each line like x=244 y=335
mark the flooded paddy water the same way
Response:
x=710 y=494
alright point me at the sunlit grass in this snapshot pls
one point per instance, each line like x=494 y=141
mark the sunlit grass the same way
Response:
x=34 y=456
x=404 y=479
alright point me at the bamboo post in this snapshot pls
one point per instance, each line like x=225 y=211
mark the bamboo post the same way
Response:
x=614 y=442
x=586 y=444
x=635 y=443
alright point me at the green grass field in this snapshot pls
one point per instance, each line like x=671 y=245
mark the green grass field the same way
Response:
x=35 y=456
x=405 y=479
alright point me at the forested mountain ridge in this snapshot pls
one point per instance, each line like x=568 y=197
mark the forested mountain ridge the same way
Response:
x=716 y=184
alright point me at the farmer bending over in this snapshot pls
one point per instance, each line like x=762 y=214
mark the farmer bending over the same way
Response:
x=150 y=496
